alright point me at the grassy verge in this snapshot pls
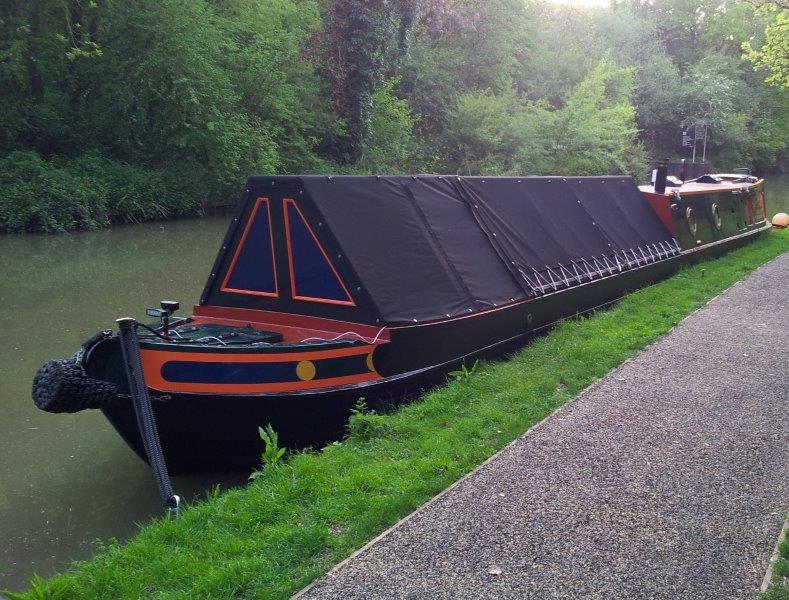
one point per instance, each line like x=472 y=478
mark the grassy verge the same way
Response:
x=779 y=590
x=299 y=518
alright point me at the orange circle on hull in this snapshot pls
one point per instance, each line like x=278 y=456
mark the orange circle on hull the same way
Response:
x=305 y=370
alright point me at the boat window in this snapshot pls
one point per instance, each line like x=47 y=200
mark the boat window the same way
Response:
x=252 y=269
x=313 y=276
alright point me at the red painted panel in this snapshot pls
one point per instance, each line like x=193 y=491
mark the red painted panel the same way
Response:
x=153 y=360
x=661 y=204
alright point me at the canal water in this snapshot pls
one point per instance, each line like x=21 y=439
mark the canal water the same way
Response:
x=67 y=481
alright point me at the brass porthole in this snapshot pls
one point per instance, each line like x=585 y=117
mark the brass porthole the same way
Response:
x=716 y=216
x=690 y=217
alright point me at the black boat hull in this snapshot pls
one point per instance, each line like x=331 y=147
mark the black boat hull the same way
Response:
x=208 y=432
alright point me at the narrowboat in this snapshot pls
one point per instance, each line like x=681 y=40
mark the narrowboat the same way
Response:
x=331 y=289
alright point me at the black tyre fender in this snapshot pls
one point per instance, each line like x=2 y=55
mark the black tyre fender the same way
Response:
x=63 y=386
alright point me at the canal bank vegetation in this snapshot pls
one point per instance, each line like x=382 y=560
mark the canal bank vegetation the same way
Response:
x=779 y=584
x=299 y=517
x=126 y=110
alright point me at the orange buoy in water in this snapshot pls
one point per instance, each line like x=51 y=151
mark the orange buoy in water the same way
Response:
x=781 y=220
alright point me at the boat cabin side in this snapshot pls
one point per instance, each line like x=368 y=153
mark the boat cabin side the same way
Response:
x=709 y=209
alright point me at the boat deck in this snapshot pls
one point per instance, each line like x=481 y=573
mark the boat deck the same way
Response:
x=693 y=188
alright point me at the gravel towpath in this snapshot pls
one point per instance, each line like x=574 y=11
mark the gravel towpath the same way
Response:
x=669 y=478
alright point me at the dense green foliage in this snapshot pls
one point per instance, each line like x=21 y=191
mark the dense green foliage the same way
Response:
x=774 y=53
x=300 y=517
x=140 y=109
x=88 y=191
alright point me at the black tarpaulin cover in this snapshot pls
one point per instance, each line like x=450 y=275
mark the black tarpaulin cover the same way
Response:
x=540 y=223
x=430 y=247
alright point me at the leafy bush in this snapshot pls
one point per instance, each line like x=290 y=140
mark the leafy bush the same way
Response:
x=137 y=194
x=501 y=134
x=594 y=133
x=391 y=146
x=38 y=196
x=89 y=192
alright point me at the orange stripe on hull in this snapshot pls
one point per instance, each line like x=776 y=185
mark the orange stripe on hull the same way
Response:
x=154 y=360
x=251 y=357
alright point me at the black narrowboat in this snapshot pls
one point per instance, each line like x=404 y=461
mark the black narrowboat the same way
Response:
x=330 y=289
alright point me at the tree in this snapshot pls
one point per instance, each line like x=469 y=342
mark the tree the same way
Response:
x=566 y=47
x=135 y=109
x=595 y=133
x=462 y=46
x=635 y=42
x=501 y=134
x=711 y=94
x=681 y=24
x=391 y=147
x=359 y=36
x=45 y=48
x=275 y=79
x=773 y=55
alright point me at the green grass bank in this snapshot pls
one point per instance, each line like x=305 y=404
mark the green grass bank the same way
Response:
x=299 y=518
x=779 y=590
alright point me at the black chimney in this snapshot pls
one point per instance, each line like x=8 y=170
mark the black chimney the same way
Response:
x=660 y=176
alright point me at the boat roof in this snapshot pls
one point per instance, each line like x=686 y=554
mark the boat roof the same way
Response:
x=410 y=249
x=728 y=182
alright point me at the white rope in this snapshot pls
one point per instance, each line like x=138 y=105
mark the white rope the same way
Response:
x=346 y=333
x=211 y=337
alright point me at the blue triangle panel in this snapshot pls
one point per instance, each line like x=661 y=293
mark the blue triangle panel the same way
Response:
x=313 y=275
x=252 y=269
